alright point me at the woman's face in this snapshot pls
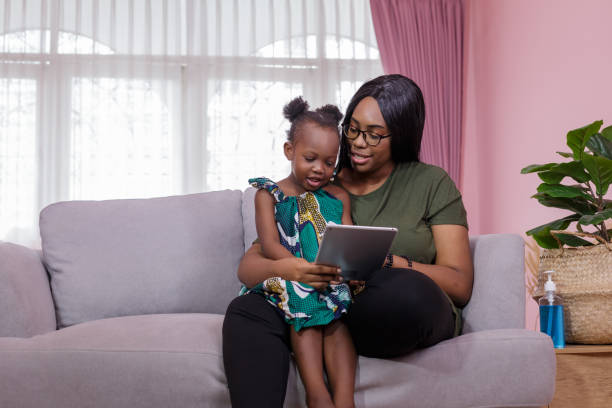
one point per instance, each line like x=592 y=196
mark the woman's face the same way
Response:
x=365 y=158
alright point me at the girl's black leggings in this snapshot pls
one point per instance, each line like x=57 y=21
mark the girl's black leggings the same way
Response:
x=399 y=311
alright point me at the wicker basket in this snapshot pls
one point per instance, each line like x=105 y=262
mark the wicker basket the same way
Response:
x=583 y=277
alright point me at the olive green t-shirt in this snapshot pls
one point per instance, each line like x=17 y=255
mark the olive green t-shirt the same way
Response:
x=413 y=198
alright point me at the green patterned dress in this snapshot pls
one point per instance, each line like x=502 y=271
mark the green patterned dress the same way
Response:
x=301 y=221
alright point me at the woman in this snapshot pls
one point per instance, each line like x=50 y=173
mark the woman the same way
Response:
x=413 y=301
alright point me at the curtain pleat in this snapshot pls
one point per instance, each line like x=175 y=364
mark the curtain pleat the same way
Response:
x=423 y=40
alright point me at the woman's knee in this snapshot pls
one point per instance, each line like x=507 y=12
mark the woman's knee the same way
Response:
x=252 y=311
x=398 y=311
x=403 y=290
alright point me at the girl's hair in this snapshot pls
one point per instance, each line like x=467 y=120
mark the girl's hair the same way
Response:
x=401 y=103
x=297 y=113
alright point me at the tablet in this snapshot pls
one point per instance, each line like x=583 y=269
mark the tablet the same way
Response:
x=358 y=250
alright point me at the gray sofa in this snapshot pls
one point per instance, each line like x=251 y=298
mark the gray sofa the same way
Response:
x=124 y=306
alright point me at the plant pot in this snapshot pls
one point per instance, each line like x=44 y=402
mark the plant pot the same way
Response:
x=583 y=276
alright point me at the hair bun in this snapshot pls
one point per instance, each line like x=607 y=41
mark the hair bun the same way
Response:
x=332 y=111
x=295 y=108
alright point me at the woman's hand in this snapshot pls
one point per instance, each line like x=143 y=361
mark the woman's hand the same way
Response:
x=299 y=269
x=356 y=286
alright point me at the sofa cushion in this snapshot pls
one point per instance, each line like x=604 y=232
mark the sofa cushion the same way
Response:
x=491 y=368
x=26 y=307
x=175 y=360
x=147 y=361
x=142 y=256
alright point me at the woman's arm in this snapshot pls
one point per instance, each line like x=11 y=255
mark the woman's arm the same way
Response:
x=453 y=270
x=254 y=268
x=343 y=196
x=267 y=231
x=346 y=208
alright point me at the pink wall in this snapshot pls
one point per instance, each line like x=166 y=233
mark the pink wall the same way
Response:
x=534 y=69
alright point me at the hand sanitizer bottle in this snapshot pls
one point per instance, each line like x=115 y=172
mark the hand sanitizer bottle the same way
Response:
x=551 y=313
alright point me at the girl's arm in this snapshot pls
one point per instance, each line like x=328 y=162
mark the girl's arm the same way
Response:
x=267 y=231
x=254 y=268
x=453 y=270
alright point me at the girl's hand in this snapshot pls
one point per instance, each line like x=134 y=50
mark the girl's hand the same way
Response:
x=299 y=269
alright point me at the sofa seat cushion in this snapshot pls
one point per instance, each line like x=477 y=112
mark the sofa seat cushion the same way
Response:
x=493 y=368
x=115 y=258
x=171 y=360
x=176 y=360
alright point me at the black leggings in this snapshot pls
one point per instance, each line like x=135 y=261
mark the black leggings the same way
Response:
x=399 y=311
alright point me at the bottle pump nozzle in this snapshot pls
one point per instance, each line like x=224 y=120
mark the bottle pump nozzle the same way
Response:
x=549 y=286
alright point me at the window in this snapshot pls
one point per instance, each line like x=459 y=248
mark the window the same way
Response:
x=105 y=99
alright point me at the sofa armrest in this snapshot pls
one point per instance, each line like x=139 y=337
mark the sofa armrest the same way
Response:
x=248 y=217
x=498 y=296
x=26 y=306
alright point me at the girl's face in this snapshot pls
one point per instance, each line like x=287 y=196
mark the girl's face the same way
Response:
x=313 y=156
x=365 y=158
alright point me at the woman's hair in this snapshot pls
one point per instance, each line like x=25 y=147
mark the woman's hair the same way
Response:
x=297 y=113
x=401 y=103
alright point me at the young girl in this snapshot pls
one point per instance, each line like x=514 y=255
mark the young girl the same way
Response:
x=290 y=217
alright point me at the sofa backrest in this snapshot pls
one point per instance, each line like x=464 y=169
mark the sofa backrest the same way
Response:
x=181 y=253
x=143 y=256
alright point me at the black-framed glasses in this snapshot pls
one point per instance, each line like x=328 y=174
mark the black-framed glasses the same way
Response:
x=371 y=138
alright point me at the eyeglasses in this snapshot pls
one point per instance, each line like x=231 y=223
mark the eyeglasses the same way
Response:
x=371 y=138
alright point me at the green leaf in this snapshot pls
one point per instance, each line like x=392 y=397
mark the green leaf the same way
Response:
x=565 y=154
x=537 y=167
x=578 y=138
x=560 y=224
x=558 y=172
x=573 y=169
x=607 y=133
x=596 y=218
x=573 y=240
x=551 y=177
x=600 y=146
x=559 y=190
x=542 y=234
x=578 y=204
x=600 y=170
x=545 y=240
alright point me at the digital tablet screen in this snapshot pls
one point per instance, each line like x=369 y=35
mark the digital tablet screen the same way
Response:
x=358 y=250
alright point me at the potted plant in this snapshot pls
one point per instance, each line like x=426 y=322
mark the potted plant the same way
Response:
x=583 y=272
x=590 y=174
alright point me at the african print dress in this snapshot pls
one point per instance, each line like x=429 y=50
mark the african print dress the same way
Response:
x=301 y=221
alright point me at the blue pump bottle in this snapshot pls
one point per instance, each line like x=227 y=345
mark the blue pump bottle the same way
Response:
x=551 y=313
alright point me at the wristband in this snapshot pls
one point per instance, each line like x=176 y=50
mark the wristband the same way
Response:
x=408 y=260
x=388 y=261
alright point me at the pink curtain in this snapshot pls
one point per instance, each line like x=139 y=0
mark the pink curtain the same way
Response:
x=423 y=40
